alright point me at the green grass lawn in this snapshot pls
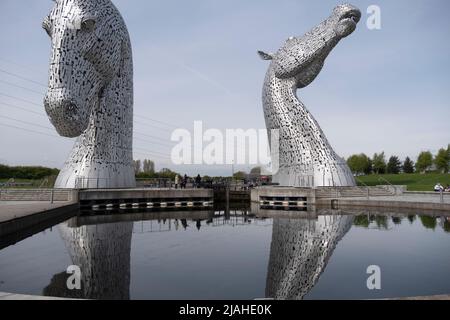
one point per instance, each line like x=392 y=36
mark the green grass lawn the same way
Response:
x=414 y=181
x=30 y=183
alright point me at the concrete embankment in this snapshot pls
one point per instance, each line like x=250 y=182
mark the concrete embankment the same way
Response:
x=14 y=296
x=394 y=197
x=25 y=212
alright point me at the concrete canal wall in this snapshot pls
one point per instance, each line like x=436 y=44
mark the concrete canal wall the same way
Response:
x=378 y=196
x=36 y=210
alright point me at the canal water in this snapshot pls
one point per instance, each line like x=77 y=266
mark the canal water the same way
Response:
x=238 y=255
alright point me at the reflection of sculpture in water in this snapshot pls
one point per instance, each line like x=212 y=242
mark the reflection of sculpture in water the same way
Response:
x=103 y=254
x=299 y=252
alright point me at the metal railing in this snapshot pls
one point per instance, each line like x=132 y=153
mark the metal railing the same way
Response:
x=43 y=183
x=154 y=183
x=390 y=184
x=367 y=187
x=50 y=195
x=89 y=183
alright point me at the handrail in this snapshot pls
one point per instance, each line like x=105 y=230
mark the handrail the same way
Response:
x=8 y=182
x=368 y=188
x=80 y=182
x=41 y=194
x=44 y=181
x=383 y=179
x=154 y=182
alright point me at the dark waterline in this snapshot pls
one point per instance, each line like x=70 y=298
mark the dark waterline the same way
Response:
x=209 y=255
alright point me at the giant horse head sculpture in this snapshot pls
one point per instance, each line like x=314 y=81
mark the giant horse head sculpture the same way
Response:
x=90 y=92
x=306 y=158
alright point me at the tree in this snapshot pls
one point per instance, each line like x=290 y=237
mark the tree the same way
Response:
x=137 y=166
x=256 y=171
x=442 y=160
x=381 y=222
x=424 y=161
x=396 y=220
x=379 y=163
x=411 y=218
x=240 y=175
x=446 y=225
x=34 y=173
x=428 y=222
x=361 y=221
x=369 y=168
x=353 y=164
x=148 y=166
x=164 y=173
x=408 y=166
x=393 y=165
x=359 y=163
x=167 y=173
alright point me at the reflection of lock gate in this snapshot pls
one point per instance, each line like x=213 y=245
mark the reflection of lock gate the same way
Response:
x=233 y=220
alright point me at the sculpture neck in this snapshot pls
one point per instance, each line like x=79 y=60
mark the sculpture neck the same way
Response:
x=109 y=135
x=293 y=115
x=103 y=154
x=281 y=93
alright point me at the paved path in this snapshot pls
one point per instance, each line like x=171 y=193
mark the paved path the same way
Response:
x=10 y=210
x=408 y=200
x=439 y=297
x=410 y=197
x=13 y=296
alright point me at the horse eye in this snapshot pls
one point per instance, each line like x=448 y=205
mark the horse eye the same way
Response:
x=88 y=24
x=47 y=26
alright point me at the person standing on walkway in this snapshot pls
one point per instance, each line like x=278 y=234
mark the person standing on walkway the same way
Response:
x=198 y=181
x=184 y=182
x=177 y=181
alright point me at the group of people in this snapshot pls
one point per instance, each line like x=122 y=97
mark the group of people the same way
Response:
x=438 y=188
x=182 y=182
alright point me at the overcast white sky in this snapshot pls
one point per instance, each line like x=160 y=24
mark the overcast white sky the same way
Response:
x=380 y=90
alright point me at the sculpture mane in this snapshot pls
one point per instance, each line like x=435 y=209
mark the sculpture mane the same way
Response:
x=306 y=159
x=90 y=92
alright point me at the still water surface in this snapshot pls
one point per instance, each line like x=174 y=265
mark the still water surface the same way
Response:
x=207 y=255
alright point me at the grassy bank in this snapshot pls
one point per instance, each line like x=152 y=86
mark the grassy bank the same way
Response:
x=29 y=183
x=414 y=181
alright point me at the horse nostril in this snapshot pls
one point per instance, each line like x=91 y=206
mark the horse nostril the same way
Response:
x=69 y=106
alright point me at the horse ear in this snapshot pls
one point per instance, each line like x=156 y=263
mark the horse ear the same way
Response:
x=265 y=56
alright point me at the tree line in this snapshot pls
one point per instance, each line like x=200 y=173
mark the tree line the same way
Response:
x=361 y=164
x=146 y=170
x=26 y=172
x=147 y=166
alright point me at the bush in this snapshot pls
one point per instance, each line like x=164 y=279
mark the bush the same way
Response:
x=33 y=173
